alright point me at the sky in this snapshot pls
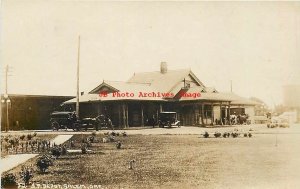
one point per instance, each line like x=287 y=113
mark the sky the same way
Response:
x=253 y=44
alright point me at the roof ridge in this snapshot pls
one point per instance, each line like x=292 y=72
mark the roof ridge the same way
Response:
x=186 y=69
x=131 y=82
x=114 y=81
x=128 y=82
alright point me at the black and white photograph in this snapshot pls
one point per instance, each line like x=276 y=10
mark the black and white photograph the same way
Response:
x=150 y=94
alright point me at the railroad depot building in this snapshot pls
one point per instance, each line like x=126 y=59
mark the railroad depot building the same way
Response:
x=144 y=95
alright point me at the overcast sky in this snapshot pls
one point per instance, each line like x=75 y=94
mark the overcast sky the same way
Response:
x=256 y=45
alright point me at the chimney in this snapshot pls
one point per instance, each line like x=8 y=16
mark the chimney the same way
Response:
x=163 y=67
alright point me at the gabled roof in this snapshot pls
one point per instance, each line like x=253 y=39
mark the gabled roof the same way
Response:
x=164 y=82
x=238 y=100
x=218 y=96
x=157 y=82
x=210 y=90
x=111 y=97
x=123 y=87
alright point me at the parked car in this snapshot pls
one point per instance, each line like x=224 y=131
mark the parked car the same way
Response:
x=168 y=119
x=97 y=123
x=64 y=120
x=69 y=120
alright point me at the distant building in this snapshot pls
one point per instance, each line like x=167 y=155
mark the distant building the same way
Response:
x=144 y=95
x=29 y=111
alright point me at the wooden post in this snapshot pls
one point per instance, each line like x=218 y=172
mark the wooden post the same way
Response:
x=202 y=114
x=212 y=114
x=195 y=115
x=77 y=84
x=221 y=120
x=229 y=113
x=157 y=114
x=124 y=116
x=127 y=125
x=119 y=114
x=142 y=114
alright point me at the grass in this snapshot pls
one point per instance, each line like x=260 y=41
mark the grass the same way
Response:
x=181 y=161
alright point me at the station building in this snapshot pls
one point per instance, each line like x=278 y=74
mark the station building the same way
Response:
x=145 y=95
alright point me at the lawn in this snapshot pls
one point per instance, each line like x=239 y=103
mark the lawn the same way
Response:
x=181 y=161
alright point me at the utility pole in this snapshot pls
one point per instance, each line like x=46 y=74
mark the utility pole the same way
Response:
x=77 y=95
x=6 y=99
x=231 y=85
x=6 y=74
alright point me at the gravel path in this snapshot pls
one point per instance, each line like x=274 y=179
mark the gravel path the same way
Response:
x=12 y=161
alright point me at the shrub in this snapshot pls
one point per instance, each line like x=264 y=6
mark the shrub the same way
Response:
x=56 y=151
x=91 y=139
x=26 y=174
x=84 y=148
x=111 y=138
x=225 y=135
x=94 y=133
x=11 y=142
x=72 y=143
x=206 y=135
x=88 y=144
x=29 y=137
x=217 y=134
x=22 y=137
x=43 y=163
x=234 y=135
x=63 y=150
x=118 y=145
x=8 y=180
x=250 y=135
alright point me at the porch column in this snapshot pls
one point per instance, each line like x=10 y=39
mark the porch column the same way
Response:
x=229 y=113
x=160 y=108
x=221 y=120
x=127 y=115
x=99 y=108
x=226 y=115
x=212 y=114
x=124 y=115
x=142 y=114
x=156 y=116
x=119 y=114
x=195 y=115
x=202 y=114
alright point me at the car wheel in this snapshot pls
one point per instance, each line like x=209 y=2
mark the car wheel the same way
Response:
x=76 y=127
x=55 y=125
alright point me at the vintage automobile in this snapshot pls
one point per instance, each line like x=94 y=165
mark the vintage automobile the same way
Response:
x=168 y=119
x=99 y=122
x=64 y=120
x=69 y=120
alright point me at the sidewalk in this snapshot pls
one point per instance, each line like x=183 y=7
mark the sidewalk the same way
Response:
x=12 y=161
